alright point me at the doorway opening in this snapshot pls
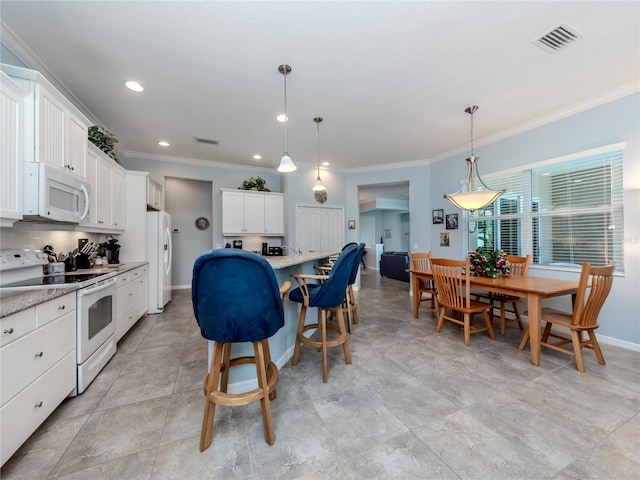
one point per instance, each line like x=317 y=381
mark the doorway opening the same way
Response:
x=384 y=219
x=190 y=204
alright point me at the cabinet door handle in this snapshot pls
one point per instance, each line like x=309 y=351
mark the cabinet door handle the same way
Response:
x=62 y=307
x=38 y=405
x=9 y=330
x=39 y=354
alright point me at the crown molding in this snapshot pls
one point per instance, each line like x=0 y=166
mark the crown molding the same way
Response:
x=194 y=161
x=606 y=97
x=31 y=61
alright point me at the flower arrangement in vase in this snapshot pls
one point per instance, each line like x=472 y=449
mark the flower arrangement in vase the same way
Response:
x=489 y=263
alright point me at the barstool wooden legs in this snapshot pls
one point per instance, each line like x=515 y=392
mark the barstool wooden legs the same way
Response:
x=323 y=343
x=221 y=363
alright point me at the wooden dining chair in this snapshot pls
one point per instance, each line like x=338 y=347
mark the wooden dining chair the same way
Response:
x=519 y=267
x=451 y=278
x=593 y=288
x=422 y=261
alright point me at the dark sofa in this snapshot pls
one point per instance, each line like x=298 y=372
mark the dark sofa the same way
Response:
x=394 y=265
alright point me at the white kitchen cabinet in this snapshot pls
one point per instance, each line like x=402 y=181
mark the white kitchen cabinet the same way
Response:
x=55 y=131
x=131 y=299
x=274 y=214
x=37 y=366
x=143 y=292
x=77 y=133
x=154 y=193
x=106 y=211
x=117 y=196
x=252 y=213
x=11 y=150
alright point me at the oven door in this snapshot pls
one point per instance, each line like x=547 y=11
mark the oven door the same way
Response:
x=96 y=307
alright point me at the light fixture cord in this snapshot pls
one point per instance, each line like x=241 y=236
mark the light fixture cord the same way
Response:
x=471 y=134
x=286 y=114
x=318 y=130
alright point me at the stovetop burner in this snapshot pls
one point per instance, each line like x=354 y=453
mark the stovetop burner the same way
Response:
x=54 y=280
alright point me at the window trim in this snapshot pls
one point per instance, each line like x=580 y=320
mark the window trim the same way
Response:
x=527 y=216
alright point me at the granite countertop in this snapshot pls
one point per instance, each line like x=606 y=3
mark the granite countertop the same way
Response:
x=14 y=301
x=295 y=259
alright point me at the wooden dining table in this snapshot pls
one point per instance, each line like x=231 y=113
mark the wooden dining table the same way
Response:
x=534 y=289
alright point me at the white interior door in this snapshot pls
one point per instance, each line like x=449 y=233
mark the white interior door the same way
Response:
x=320 y=228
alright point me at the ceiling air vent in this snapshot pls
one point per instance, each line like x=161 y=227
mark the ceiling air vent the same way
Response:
x=558 y=38
x=210 y=141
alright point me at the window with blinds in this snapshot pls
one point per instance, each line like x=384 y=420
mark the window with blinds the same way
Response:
x=563 y=212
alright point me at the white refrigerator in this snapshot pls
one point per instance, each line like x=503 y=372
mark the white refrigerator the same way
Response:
x=159 y=249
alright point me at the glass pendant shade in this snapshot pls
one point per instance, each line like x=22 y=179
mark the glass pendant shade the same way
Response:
x=286 y=164
x=471 y=197
x=318 y=186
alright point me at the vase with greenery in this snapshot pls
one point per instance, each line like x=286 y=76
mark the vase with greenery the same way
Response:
x=254 y=183
x=104 y=140
x=489 y=263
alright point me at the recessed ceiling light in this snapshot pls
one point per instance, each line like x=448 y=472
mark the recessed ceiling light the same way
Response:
x=325 y=164
x=257 y=157
x=133 y=85
x=282 y=118
x=163 y=143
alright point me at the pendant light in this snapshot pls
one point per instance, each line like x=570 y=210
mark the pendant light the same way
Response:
x=286 y=164
x=318 y=186
x=470 y=198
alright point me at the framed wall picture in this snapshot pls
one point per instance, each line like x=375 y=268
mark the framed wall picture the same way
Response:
x=351 y=224
x=444 y=239
x=437 y=216
x=452 y=221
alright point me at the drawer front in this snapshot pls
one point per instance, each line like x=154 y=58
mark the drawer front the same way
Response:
x=133 y=274
x=125 y=320
x=24 y=360
x=126 y=296
x=122 y=279
x=26 y=411
x=53 y=309
x=17 y=325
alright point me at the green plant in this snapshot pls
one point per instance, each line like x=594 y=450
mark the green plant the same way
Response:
x=489 y=262
x=254 y=183
x=104 y=140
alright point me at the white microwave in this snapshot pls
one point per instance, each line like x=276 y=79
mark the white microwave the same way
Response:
x=52 y=194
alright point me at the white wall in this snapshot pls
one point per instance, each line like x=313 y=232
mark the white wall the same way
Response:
x=186 y=200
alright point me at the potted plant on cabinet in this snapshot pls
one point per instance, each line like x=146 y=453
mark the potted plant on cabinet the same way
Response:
x=254 y=183
x=104 y=140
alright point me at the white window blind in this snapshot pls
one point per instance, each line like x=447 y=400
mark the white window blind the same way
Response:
x=564 y=212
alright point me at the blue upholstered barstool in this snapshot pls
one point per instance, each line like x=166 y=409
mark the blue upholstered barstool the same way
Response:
x=326 y=296
x=350 y=299
x=236 y=298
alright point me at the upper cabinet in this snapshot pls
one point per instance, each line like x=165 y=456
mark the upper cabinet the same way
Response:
x=55 y=131
x=106 y=177
x=246 y=212
x=154 y=194
x=11 y=112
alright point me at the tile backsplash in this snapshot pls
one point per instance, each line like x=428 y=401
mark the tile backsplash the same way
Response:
x=62 y=241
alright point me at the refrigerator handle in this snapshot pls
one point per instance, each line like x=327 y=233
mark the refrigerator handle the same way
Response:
x=169 y=251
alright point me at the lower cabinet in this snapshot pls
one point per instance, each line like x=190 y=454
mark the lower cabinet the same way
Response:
x=38 y=368
x=132 y=299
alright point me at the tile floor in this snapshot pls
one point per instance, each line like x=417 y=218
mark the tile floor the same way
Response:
x=413 y=405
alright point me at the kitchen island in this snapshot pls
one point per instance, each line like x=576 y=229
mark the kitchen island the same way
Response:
x=243 y=377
